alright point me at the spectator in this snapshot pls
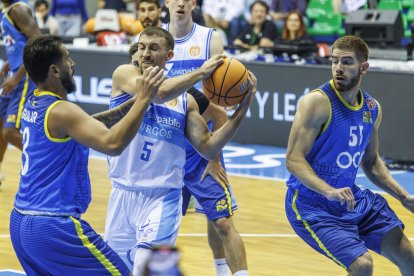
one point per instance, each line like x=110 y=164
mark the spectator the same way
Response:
x=70 y=14
x=44 y=19
x=219 y=14
x=295 y=28
x=279 y=10
x=261 y=32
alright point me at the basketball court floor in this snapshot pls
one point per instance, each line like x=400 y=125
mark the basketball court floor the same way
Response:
x=257 y=174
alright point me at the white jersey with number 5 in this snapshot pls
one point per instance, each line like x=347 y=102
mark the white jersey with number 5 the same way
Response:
x=156 y=155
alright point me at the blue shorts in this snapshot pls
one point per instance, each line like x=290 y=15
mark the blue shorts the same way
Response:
x=336 y=233
x=11 y=106
x=48 y=245
x=214 y=201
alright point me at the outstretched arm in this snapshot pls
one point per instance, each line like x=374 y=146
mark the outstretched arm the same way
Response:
x=112 y=116
x=376 y=171
x=313 y=112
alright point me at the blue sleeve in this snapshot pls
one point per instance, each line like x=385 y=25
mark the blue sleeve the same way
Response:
x=53 y=8
x=83 y=11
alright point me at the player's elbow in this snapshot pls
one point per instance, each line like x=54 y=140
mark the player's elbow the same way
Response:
x=291 y=163
x=114 y=149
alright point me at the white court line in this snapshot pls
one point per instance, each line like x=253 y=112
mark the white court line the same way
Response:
x=243 y=235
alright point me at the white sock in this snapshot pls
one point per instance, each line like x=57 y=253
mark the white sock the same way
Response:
x=241 y=273
x=221 y=267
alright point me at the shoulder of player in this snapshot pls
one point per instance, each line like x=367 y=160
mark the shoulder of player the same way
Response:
x=315 y=105
x=20 y=12
x=125 y=68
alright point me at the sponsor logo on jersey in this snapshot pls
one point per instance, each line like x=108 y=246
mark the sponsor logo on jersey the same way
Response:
x=195 y=51
x=367 y=117
x=371 y=103
x=221 y=205
x=11 y=118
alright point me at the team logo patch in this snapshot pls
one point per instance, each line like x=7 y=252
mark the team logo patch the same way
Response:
x=11 y=118
x=222 y=205
x=195 y=51
x=371 y=103
x=367 y=117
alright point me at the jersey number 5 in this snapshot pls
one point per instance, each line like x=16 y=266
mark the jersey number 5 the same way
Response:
x=146 y=151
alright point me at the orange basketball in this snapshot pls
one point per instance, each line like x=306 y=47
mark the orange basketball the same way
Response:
x=228 y=84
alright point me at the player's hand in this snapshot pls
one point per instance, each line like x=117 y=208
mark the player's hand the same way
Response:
x=408 y=203
x=217 y=172
x=4 y=70
x=247 y=100
x=149 y=83
x=9 y=84
x=210 y=65
x=343 y=195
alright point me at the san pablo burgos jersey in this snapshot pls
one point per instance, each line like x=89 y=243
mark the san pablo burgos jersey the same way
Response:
x=156 y=155
x=190 y=52
x=339 y=149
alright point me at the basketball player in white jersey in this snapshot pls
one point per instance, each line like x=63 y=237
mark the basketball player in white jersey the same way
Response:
x=206 y=181
x=144 y=209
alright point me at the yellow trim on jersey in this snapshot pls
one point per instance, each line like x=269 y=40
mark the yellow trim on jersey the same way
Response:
x=95 y=251
x=6 y=11
x=229 y=201
x=379 y=111
x=22 y=101
x=56 y=140
x=313 y=234
x=330 y=110
x=345 y=102
x=44 y=93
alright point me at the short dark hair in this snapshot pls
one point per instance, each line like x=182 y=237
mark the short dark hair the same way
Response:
x=38 y=3
x=159 y=32
x=354 y=44
x=156 y=2
x=132 y=50
x=259 y=2
x=39 y=53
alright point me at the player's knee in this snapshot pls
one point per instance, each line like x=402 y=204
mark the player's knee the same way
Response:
x=363 y=265
x=223 y=226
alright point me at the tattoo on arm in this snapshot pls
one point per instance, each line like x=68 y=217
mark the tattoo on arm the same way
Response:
x=112 y=116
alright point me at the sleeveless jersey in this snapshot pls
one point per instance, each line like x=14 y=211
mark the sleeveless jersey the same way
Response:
x=190 y=52
x=54 y=179
x=13 y=39
x=156 y=155
x=339 y=149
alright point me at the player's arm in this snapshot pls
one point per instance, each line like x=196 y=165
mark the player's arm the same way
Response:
x=67 y=119
x=173 y=87
x=23 y=19
x=375 y=169
x=198 y=133
x=313 y=112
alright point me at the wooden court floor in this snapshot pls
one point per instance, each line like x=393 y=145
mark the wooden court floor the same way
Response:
x=272 y=248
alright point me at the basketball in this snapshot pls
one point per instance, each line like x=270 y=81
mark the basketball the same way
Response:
x=228 y=84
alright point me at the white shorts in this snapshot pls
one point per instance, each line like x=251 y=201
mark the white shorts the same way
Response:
x=142 y=218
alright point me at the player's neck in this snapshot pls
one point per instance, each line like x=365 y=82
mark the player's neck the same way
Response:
x=351 y=96
x=180 y=29
x=61 y=92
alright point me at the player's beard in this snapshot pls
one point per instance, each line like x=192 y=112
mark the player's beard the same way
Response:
x=68 y=83
x=350 y=84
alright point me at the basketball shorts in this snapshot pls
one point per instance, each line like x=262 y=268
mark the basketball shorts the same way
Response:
x=142 y=218
x=11 y=106
x=211 y=199
x=336 y=233
x=47 y=245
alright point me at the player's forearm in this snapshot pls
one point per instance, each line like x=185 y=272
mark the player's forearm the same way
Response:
x=300 y=168
x=112 y=116
x=378 y=174
x=174 y=87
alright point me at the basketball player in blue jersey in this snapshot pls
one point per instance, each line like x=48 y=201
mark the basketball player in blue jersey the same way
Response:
x=206 y=181
x=335 y=130
x=47 y=232
x=144 y=208
x=17 y=25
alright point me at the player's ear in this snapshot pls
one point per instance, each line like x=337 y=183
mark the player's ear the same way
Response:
x=54 y=70
x=364 y=67
x=170 y=54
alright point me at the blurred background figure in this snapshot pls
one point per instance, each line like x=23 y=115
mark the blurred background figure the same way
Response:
x=220 y=14
x=294 y=28
x=261 y=32
x=279 y=10
x=149 y=13
x=70 y=14
x=46 y=22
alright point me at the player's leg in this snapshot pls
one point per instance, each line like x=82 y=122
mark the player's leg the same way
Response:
x=217 y=248
x=120 y=233
x=396 y=247
x=157 y=224
x=11 y=128
x=362 y=266
x=4 y=103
